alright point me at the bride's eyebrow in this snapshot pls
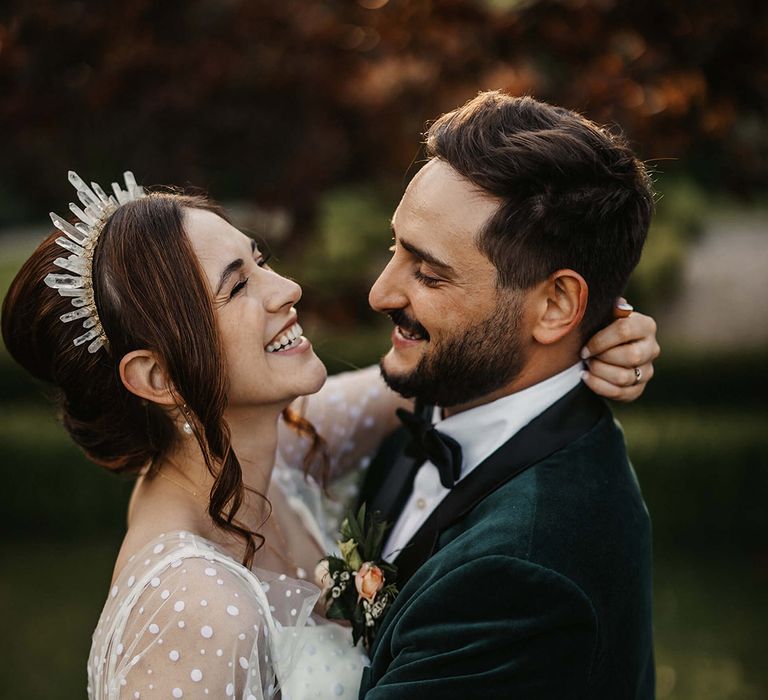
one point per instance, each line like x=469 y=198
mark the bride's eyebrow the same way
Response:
x=233 y=267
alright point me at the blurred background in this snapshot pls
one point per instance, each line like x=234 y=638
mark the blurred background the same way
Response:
x=304 y=117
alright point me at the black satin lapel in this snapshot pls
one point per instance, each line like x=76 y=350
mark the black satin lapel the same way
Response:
x=561 y=424
x=380 y=468
x=394 y=490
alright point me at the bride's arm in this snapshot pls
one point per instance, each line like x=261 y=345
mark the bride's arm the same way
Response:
x=195 y=631
x=353 y=413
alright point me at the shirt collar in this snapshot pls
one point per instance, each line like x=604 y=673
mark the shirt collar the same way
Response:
x=482 y=430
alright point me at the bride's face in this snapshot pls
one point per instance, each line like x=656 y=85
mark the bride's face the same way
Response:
x=268 y=360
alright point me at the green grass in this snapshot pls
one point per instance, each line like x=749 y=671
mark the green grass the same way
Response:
x=50 y=488
x=704 y=474
x=51 y=594
x=709 y=621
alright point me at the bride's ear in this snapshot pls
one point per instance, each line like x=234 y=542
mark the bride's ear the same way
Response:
x=143 y=376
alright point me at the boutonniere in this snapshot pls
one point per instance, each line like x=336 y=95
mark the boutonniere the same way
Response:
x=359 y=585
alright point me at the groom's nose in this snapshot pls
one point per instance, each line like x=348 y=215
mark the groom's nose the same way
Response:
x=387 y=292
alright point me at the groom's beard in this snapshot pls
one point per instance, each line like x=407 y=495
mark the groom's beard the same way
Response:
x=474 y=362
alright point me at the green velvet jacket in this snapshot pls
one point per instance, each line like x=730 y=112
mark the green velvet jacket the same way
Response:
x=542 y=590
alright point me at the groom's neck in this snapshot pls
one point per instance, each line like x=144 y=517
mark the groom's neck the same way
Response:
x=543 y=363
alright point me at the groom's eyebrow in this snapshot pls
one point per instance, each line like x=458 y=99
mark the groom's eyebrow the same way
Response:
x=424 y=255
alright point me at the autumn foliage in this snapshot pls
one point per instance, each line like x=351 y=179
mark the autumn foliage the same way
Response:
x=276 y=101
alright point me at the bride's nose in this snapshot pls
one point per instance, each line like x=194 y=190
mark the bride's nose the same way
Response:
x=282 y=292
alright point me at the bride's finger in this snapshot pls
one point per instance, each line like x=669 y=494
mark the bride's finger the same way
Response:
x=631 y=355
x=634 y=327
x=610 y=391
x=619 y=376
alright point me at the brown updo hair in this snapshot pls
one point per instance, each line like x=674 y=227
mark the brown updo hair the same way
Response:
x=152 y=294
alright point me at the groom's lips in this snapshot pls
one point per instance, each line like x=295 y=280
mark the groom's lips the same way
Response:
x=401 y=341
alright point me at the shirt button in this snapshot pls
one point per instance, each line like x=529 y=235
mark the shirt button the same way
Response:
x=421 y=504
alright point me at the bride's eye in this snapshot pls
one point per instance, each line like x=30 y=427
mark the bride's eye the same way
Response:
x=263 y=261
x=238 y=287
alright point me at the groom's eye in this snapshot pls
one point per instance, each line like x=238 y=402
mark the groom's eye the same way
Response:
x=426 y=280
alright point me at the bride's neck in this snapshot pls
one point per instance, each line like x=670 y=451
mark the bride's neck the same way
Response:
x=254 y=440
x=253 y=433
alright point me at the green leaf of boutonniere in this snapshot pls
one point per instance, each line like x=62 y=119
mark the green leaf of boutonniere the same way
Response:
x=349 y=551
x=360 y=586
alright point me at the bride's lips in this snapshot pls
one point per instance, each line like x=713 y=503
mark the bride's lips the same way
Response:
x=290 y=338
x=302 y=345
x=402 y=342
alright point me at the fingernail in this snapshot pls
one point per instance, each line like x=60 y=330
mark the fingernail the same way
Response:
x=625 y=306
x=585 y=353
x=583 y=375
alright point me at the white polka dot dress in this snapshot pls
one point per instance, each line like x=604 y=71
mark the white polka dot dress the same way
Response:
x=185 y=620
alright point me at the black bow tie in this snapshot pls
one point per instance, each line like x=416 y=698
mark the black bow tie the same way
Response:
x=429 y=444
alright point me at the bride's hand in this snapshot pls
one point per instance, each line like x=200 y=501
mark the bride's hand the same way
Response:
x=616 y=354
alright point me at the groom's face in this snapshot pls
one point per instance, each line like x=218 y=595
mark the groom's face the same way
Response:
x=457 y=335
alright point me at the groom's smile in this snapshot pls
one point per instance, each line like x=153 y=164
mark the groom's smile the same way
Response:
x=441 y=293
x=408 y=332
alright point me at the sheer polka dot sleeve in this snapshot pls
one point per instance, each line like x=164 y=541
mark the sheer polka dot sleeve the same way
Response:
x=192 y=627
x=353 y=412
x=195 y=629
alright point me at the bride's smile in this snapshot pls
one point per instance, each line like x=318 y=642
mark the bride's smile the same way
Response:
x=268 y=359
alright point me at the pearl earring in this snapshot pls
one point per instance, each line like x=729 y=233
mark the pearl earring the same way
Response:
x=187 y=428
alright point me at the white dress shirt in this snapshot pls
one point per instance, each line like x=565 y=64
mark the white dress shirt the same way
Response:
x=480 y=431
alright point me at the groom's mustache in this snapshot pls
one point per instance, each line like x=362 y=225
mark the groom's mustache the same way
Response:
x=408 y=324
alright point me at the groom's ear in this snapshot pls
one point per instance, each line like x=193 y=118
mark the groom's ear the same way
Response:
x=560 y=303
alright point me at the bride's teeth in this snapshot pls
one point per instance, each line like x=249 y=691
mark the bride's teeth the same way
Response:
x=287 y=339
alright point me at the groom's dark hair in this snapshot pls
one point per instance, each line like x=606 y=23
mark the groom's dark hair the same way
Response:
x=573 y=194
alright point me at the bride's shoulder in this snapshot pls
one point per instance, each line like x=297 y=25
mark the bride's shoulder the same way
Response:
x=190 y=562
x=184 y=578
x=181 y=612
x=188 y=579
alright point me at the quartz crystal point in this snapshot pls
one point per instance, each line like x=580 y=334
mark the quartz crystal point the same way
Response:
x=85 y=337
x=63 y=282
x=73 y=263
x=80 y=214
x=101 y=194
x=95 y=345
x=70 y=246
x=74 y=315
x=77 y=292
x=79 y=184
x=78 y=236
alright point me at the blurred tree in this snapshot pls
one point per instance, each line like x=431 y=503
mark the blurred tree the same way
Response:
x=277 y=101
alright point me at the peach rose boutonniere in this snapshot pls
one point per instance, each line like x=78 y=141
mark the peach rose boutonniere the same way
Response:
x=359 y=586
x=369 y=580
